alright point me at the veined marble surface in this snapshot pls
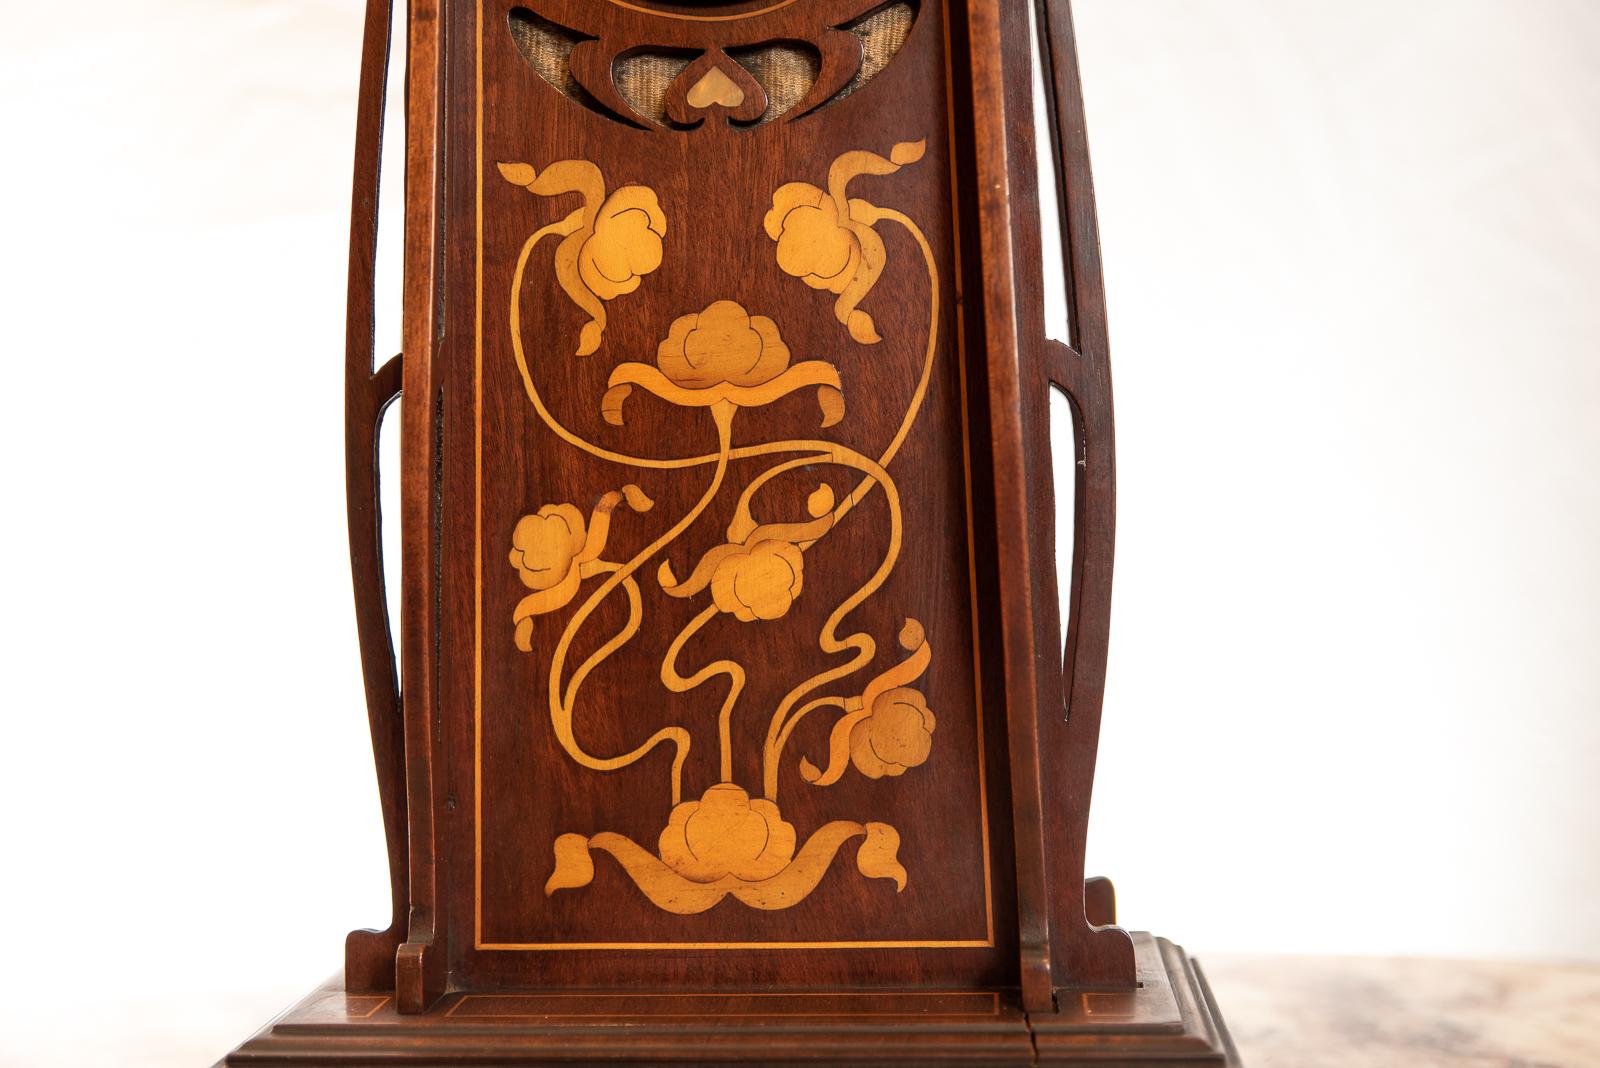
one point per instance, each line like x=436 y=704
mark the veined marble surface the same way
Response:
x=1367 y=1012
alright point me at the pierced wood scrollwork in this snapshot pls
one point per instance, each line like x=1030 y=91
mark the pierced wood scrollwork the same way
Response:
x=661 y=68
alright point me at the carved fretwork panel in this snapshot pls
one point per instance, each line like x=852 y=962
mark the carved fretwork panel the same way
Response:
x=713 y=686
x=675 y=68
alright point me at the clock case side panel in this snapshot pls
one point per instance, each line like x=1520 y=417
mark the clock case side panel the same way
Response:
x=370 y=388
x=1054 y=701
x=420 y=963
x=1093 y=953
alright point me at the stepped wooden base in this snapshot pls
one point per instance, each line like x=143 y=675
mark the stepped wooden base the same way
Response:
x=1169 y=1020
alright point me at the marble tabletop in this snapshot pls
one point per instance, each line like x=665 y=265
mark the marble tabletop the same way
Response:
x=1367 y=1012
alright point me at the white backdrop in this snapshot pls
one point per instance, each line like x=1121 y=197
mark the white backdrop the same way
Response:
x=1353 y=261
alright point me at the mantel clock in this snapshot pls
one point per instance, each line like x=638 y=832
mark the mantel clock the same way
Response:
x=730 y=721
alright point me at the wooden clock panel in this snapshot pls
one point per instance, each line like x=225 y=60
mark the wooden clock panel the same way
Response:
x=713 y=680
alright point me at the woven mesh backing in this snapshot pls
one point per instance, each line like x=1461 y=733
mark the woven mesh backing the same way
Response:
x=882 y=34
x=787 y=72
x=643 y=79
x=546 y=47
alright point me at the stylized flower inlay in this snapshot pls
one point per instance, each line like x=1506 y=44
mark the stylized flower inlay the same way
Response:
x=896 y=736
x=758 y=581
x=554 y=550
x=722 y=344
x=607 y=245
x=826 y=239
x=724 y=844
x=545 y=545
x=726 y=833
x=726 y=358
x=813 y=245
x=626 y=242
x=888 y=729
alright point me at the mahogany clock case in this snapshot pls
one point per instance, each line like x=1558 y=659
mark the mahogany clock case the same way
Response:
x=735 y=725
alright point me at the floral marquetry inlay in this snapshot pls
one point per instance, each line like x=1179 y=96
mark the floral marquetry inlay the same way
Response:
x=725 y=363
x=608 y=245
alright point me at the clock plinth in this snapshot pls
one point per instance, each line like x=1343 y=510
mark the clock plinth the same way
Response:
x=1168 y=1020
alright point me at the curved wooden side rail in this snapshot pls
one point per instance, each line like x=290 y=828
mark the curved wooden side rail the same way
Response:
x=1053 y=705
x=369 y=955
x=1088 y=954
